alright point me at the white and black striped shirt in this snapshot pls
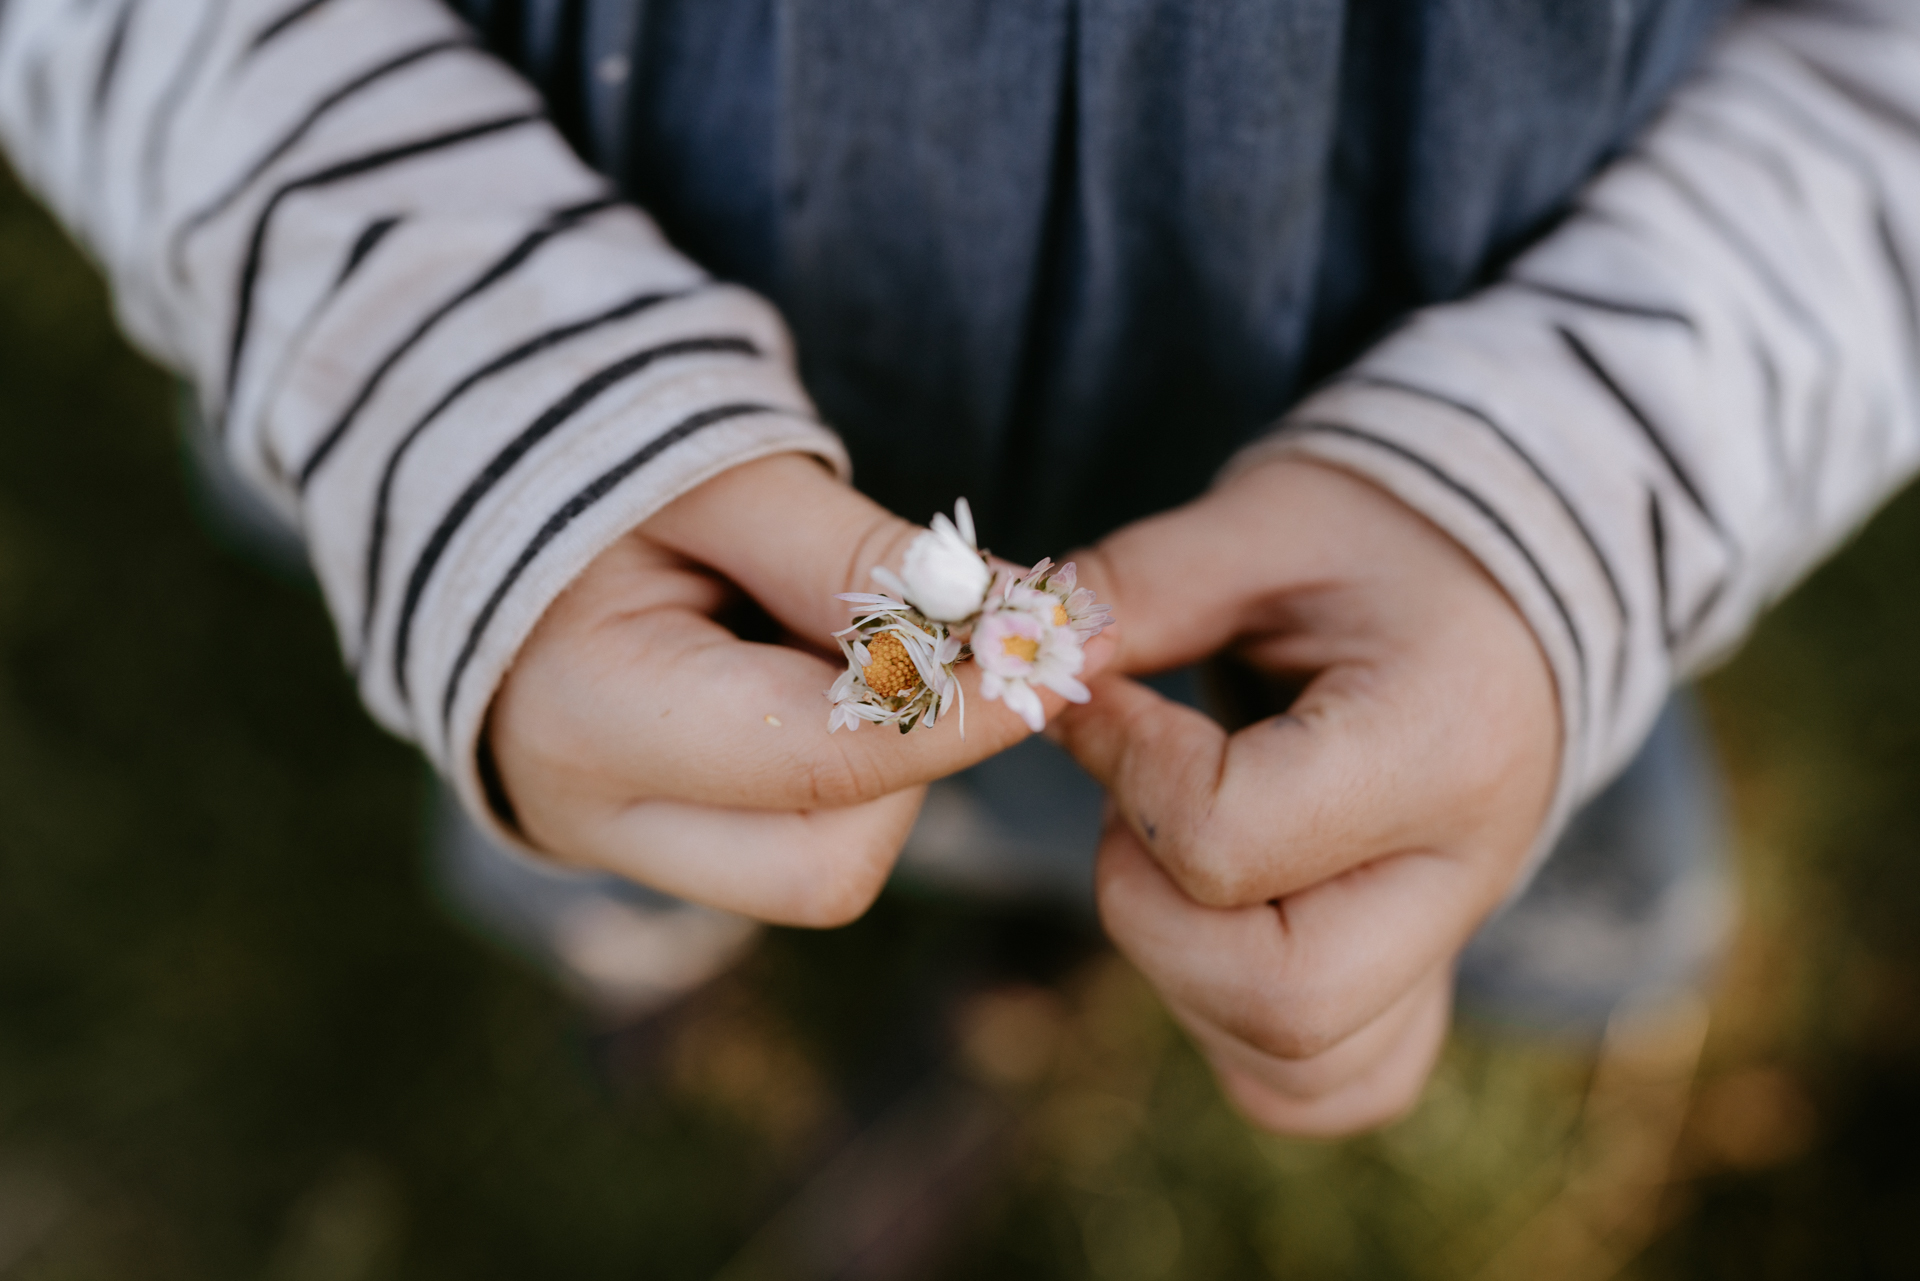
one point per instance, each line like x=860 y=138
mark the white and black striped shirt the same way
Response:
x=1668 y=411
x=418 y=322
x=434 y=339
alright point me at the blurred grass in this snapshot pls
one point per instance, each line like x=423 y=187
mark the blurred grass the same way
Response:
x=238 y=1039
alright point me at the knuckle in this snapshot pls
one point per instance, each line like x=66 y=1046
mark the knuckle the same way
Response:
x=843 y=893
x=1295 y=1035
x=1323 y=1106
x=1333 y=1116
x=836 y=780
x=1340 y=1116
x=1214 y=864
x=1302 y=1023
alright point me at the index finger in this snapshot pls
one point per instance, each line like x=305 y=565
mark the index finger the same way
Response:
x=629 y=691
x=721 y=721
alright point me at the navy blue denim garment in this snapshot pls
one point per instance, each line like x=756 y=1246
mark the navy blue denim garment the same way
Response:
x=1064 y=256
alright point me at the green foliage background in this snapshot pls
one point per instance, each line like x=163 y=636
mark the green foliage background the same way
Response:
x=239 y=1038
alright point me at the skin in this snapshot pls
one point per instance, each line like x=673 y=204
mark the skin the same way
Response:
x=1296 y=890
x=636 y=733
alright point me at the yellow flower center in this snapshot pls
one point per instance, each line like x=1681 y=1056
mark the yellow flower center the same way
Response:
x=891 y=671
x=1059 y=615
x=1020 y=647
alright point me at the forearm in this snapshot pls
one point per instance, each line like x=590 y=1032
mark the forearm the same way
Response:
x=421 y=325
x=1692 y=390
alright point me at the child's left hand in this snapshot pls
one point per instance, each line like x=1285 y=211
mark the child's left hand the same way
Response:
x=1298 y=890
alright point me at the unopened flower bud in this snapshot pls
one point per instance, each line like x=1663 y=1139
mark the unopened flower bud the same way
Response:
x=943 y=577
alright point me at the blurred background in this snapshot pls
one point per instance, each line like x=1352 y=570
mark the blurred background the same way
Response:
x=241 y=1038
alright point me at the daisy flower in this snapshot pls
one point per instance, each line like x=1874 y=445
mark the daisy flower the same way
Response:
x=898 y=673
x=1026 y=630
x=943 y=574
x=1077 y=607
x=1024 y=639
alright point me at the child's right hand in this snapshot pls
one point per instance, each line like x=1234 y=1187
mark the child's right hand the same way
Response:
x=638 y=735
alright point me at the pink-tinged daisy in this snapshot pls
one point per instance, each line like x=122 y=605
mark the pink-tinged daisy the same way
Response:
x=1018 y=646
x=1077 y=607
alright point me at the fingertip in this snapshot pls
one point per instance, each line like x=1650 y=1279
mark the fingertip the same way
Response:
x=1090 y=732
x=1100 y=653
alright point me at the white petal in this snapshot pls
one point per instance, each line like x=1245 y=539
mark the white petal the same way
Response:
x=1021 y=699
x=923 y=664
x=1067 y=687
x=890 y=580
x=912 y=634
x=963 y=516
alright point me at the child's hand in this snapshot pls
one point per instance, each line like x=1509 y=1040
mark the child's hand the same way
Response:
x=1298 y=890
x=638 y=735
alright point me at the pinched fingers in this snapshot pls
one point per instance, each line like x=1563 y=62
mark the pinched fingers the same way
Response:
x=668 y=705
x=1429 y=720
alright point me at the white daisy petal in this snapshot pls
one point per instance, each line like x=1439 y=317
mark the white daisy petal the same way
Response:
x=963 y=517
x=1067 y=687
x=1024 y=703
x=890 y=580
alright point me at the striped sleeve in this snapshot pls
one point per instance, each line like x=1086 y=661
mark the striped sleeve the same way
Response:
x=416 y=321
x=1678 y=402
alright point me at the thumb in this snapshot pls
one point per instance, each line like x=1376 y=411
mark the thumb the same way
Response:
x=1177 y=592
x=1187 y=582
x=790 y=534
